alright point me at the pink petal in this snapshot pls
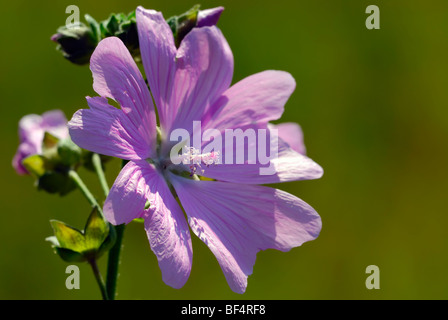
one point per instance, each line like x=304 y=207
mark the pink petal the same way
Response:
x=158 y=53
x=204 y=72
x=292 y=134
x=236 y=221
x=183 y=82
x=165 y=223
x=107 y=130
x=32 y=128
x=254 y=100
x=55 y=122
x=116 y=76
x=168 y=234
x=31 y=132
x=289 y=165
x=127 y=197
x=24 y=150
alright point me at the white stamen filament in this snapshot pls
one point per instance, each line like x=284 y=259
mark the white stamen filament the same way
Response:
x=195 y=159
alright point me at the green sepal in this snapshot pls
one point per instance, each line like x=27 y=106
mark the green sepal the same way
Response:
x=69 y=153
x=49 y=144
x=139 y=220
x=65 y=254
x=94 y=26
x=77 y=44
x=35 y=164
x=73 y=245
x=69 y=256
x=96 y=230
x=111 y=26
x=67 y=236
x=181 y=25
x=109 y=242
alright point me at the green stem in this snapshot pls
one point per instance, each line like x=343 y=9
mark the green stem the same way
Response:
x=96 y=159
x=89 y=196
x=99 y=278
x=114 y=262
x=85 y=191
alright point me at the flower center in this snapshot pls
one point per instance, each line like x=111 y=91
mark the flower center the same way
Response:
x=196 y=161
x=189 y=160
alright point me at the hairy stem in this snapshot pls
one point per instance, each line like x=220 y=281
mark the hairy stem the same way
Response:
x=99 y=278
x=83 y=188
x=114 y=262
x=114 y=258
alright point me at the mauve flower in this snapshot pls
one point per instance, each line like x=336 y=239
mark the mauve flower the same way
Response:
x=233 y=216
x=32 y=128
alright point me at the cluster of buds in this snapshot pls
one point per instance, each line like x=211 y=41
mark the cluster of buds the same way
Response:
x=77 y=43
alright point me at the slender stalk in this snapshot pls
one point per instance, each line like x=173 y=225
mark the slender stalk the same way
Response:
x=85 y=191
x=89 y=196
x=99 y=171
x=99 y=278
x=114 y=262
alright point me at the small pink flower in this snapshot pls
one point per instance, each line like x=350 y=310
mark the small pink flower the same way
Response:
x=32 y=128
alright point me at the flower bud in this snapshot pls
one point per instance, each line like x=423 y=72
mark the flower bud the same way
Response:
x=47 y=152
x=32 y=130
x=76 y=43
x=124 y=27
x=194 y=18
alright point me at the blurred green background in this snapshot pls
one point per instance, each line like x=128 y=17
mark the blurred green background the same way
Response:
x=374 y=108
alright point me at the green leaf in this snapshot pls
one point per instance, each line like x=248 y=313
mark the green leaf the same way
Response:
x=35 y=164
